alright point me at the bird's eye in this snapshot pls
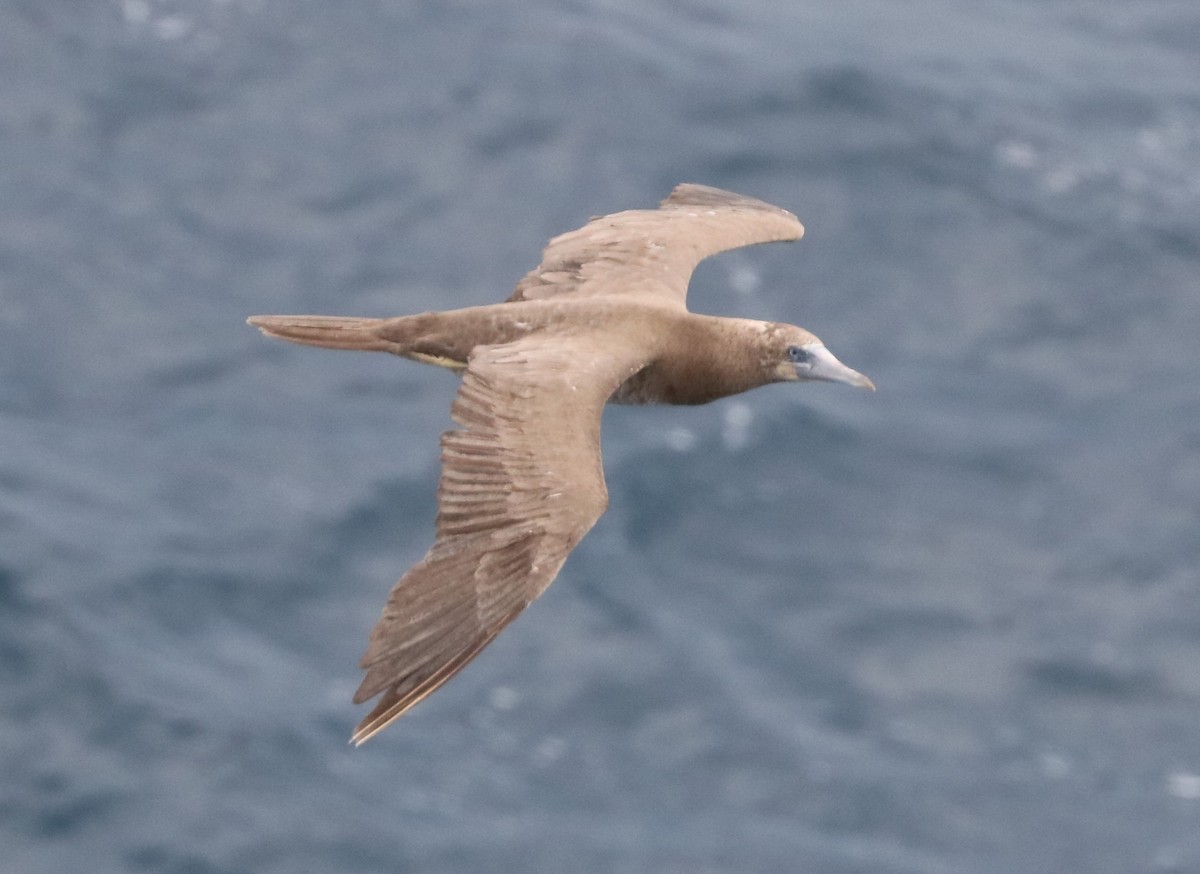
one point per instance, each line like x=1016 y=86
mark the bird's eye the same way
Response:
x=797 y=354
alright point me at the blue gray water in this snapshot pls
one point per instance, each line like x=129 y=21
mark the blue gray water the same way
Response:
x=953 y=626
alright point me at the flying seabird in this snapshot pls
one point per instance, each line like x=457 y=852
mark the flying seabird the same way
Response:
x=603 y=319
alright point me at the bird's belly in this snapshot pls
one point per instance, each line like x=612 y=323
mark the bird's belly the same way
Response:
x=653 y=385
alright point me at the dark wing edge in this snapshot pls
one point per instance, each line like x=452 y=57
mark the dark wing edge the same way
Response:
x=522 y=483
x=688 y=194
x=654 y=251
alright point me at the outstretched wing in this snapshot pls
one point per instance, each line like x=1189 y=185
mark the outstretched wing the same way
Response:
x=521 y=484
x=652 y=252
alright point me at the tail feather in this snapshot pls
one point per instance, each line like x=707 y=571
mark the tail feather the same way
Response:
x=331 y=332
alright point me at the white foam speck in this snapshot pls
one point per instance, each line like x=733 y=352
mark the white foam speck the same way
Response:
x=744 y=279
x=680 y=439
x=1055 y=766
x=1184 y=785
x=549 y=751
x=504 y=698
x=736 y=433
x=136 y=11
x=1015 y=153
x=1060 y=180
x=172 y=27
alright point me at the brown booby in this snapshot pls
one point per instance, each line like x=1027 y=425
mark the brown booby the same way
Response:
x=602 y=319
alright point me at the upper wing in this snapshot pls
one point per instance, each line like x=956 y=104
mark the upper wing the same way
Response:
x=654 y=251
x=522 y=482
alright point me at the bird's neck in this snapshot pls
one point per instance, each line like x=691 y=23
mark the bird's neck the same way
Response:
x=710 y=358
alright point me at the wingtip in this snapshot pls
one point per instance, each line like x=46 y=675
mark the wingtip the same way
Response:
x=379 y=719
x=401 y=698
x=693 y=195
x=367 y=730
x=360 y=737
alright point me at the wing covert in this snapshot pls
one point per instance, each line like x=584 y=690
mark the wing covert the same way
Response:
x=652 y=252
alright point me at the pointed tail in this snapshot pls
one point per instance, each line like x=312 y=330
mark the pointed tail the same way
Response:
x=332 y=332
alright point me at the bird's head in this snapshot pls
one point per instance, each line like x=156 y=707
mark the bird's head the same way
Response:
x=797 y=354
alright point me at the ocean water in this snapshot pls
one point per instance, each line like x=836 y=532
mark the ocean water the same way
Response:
x=953 y=626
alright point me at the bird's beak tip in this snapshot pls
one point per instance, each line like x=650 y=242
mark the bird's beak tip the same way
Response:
x=826 y=367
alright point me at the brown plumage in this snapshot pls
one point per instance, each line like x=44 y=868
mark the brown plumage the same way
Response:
x=602 y=319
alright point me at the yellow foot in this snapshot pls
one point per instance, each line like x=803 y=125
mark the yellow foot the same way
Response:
x=438 y=361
